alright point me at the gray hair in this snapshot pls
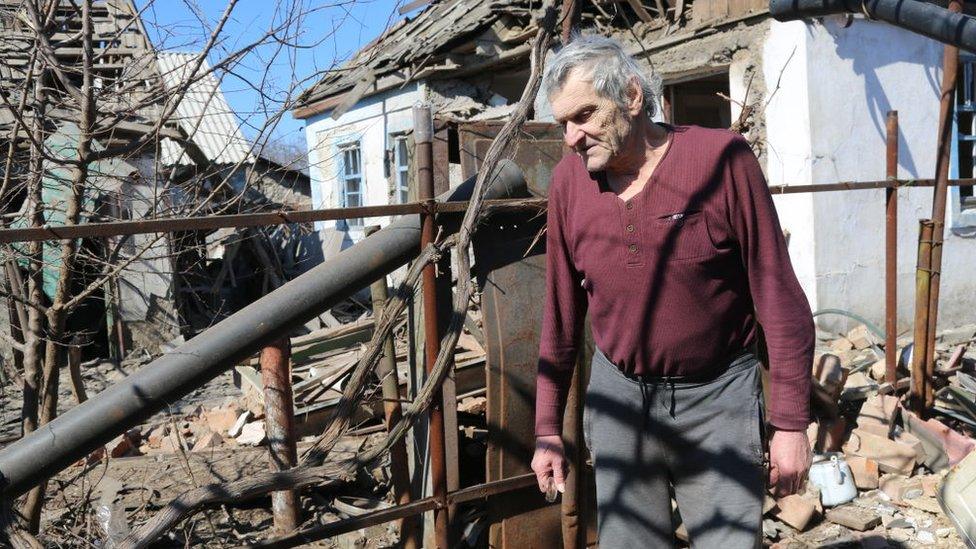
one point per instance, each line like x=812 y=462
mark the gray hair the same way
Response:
x=609 y=67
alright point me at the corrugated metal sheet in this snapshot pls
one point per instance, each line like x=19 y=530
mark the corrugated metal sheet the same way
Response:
x=203 y=114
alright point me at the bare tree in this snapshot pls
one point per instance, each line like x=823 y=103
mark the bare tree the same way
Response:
x=91 y=129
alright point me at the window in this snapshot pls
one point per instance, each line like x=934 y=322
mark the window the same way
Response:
x=965 y=131
x=698 y=102
x=401 y=166
x=352 y=181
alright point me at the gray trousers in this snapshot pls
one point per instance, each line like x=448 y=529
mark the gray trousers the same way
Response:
x=700 y=441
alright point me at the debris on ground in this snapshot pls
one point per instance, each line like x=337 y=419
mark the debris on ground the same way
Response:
x=913 y=479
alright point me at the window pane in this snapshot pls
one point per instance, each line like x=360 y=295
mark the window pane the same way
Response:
x=352 y=185
x=353 y=201
x=404 y=196
x=401 y=152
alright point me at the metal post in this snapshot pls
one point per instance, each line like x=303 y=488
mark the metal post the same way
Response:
x=279 y=420
x=922 y=272
x=891 y=250
x=386 y=371
x=950 y=70
x=424 y=140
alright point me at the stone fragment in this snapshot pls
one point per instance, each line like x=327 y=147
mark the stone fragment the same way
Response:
x=156 y=435
x=879 y=369
x=209 y=439
x=841 y=344
x=855 y=518
x=235 y=429
x=220 y=420
x=252 y=434
x=865 y=472
x=796 y=511
x=877 y=413
x=958 y=336
x=925 y=537
x=925 y=503
x=860 y=337
x=891 y=485
x=892 y=457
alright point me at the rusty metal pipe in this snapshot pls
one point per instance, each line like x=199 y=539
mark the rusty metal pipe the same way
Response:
x=921 y=315
x=950 y=71
x=279 y=421
x=423 y=131
x=163 y=381
x=386 y=371
x=891 y=249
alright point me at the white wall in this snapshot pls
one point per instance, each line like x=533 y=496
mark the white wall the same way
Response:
x=853 y=76
x=788 y=144
x=370 y=123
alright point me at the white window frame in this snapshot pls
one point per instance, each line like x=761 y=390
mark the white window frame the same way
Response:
x=351 y=199
x=401 y=170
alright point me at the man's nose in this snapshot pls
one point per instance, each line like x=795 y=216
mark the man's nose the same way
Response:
x=572 y=135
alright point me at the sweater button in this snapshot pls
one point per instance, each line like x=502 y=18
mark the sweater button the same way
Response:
x=630 y=228
x=629 y=205
x=632 y=248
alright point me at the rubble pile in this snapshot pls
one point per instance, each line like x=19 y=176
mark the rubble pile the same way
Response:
x=883 y=476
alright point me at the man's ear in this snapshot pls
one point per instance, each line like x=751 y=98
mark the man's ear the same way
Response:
x=635 y=97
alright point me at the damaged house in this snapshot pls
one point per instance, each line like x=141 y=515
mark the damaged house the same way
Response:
x=810 y=96
x=199 y=162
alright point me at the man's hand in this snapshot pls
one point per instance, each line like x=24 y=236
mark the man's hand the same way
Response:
x=789 y=462
x=549 y=462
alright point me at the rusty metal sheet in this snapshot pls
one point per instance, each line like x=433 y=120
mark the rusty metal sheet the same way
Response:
x=510 y=264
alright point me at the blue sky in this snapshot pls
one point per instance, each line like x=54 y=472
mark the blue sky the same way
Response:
x=329 y=32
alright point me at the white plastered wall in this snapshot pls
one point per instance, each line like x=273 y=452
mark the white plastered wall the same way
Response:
x=370 y=123
x=853 y=77
x=788 y=144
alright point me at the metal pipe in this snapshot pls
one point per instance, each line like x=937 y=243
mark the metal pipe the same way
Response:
x=423 y=132
x=923 y=18
x=950 y=71
x=339 y=527
x=891 y=249
x=921 y=315
x=279 y=421
x=386 y=371
x=163 y=381
x=121 y=228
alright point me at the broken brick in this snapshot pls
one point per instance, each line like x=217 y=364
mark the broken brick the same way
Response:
x=796 y=511
x=892 y=457
x=865 y=472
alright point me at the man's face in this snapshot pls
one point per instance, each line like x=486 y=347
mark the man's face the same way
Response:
x=593 y=126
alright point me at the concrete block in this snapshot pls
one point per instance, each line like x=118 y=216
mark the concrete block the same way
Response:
x=855 y=518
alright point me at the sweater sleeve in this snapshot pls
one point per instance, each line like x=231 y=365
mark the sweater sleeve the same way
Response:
x=781 y=307
x=563 y=313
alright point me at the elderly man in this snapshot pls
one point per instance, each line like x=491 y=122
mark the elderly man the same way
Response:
x=668 y=237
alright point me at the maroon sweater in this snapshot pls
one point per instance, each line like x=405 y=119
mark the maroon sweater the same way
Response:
x=676 y=278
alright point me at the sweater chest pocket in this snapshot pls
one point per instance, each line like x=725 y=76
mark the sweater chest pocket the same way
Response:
x=682 y=236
